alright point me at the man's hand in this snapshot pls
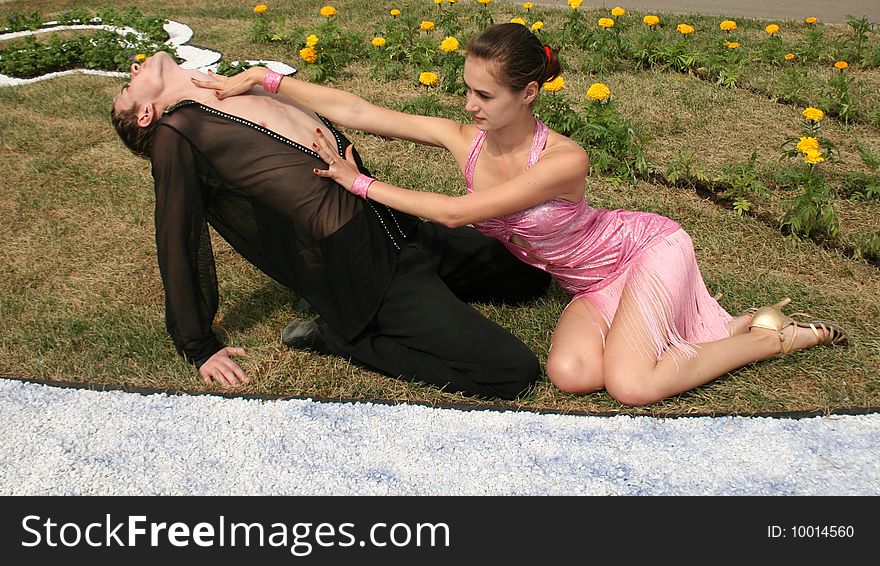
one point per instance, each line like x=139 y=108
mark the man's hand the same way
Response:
x=223 y=370
x=225 y=87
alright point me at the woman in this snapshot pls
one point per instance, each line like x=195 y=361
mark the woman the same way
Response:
x=641 y=323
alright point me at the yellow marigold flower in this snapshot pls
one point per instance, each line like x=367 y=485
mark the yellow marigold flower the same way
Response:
x=328 y=11
x=789 y=56
x=651 y=20
x=140 y=58
x=438 y=1
x=805 y=145
x=575 y=4
x=555 y=85
x=617 y=11
x=537 y=25
x=731 y=44
x=606 y=23
x=841 y=65
x=813 y=157
x=771 y=29
x=428 y=78
x=528 y=5
x=813 y=114
x=810 y=20
x=452 y=1
x=484 y=2
x=378 y=42
x=727 y=25
x=449 y=44
x=598 y=92
x=312 y=40
x=684 y=29
x=261 y=9
x=426 y=25
x=394 y=13
x=308 y=54
x=519 y=21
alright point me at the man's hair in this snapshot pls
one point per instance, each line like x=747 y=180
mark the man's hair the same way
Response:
x=139 y=140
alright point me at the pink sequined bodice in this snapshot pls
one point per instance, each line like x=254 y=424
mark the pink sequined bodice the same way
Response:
x=583 y=248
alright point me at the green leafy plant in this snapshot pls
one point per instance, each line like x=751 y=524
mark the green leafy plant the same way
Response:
x=811 y=213
x=686 y=170
x=742 y=182
x=867 y=244
x=863 y=186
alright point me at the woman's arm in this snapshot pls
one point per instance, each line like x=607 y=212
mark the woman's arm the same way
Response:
x=344 y=108
x=559 y=173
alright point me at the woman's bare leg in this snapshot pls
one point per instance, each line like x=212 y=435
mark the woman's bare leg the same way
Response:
x=633 y=375
x=575 y=362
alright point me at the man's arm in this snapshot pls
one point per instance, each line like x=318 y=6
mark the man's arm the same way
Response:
x=186 y=260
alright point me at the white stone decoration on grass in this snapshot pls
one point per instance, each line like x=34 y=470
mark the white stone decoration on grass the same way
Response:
x=179 y=34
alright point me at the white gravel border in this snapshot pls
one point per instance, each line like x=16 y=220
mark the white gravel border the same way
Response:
x=59 y=441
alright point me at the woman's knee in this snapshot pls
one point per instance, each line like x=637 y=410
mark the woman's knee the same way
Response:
x=630 y=389
x=571 y=374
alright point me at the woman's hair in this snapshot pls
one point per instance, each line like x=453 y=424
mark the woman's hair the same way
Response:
x=139 y=140
x=519 y=55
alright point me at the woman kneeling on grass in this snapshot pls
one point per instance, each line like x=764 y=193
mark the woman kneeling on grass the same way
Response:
x=641 y=323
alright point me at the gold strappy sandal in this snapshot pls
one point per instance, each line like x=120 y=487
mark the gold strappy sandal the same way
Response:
x=827 y=333
x=752 y=310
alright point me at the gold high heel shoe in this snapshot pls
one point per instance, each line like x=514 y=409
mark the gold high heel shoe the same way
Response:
x=752 y=310
x=827 y=333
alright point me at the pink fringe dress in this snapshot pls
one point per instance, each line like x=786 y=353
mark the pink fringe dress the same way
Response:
x=593 y=254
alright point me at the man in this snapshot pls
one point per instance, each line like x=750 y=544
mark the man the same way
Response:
x=388 y=287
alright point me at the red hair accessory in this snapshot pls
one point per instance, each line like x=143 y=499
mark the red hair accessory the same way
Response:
x=549 y=52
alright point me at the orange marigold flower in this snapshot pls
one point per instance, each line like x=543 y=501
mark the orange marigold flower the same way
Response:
x=328 y=11
x=810 y=20
x=428 y=78
x=841 y=65
x=555 y=85
x=813 y=114
x=261 y=9
x=789 y=56
x=727 y=25
x=598 y=92
x=308 y=54
x=426 y=25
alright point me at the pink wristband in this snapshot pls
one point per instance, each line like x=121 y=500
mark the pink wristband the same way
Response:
x=360 y=185
x=271 y=81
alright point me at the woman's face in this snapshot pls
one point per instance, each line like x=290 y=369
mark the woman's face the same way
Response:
x=491 y=104
x=146 y=84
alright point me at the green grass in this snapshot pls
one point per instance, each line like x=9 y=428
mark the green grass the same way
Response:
x=81 y=297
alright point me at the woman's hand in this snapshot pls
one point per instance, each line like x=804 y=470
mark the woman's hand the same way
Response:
x=223 y=370
x=225 y=87
x=343 y=171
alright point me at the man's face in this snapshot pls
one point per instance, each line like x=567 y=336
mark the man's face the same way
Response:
x=146 y=84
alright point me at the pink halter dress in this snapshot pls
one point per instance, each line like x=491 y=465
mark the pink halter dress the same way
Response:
x=594 y=254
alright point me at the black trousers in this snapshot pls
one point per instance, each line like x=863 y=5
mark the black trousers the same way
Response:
x=425 y=331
